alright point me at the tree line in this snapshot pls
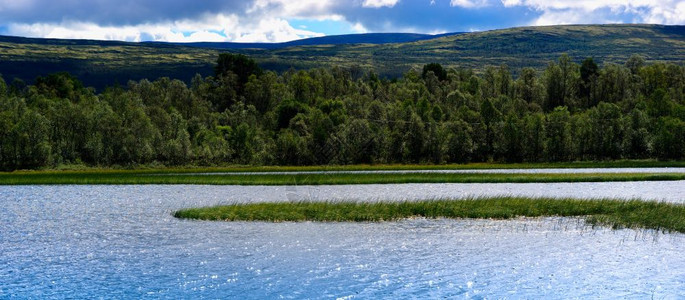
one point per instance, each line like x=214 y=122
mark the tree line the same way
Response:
x=245 y=115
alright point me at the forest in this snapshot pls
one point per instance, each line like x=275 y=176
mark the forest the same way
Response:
x=244 y=115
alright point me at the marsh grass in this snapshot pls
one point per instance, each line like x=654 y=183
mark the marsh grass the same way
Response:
x=186 y=176
x=667 y=217
x=155 y=168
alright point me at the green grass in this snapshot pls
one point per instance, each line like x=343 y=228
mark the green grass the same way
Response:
x=660 y=216
x=183 y=177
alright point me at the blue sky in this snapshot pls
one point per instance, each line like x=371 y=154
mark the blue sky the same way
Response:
x=284 y=20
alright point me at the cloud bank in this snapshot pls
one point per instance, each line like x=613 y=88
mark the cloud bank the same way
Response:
x=275 y=20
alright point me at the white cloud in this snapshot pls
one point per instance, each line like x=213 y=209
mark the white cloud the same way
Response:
x=272 y=30
x=206 y=36
x=469 y=3
x=270 y=20
x=553 y=17
x=359 y=28
x=379 y=3
x=259 y=21
x=72 y=30
x=668 y=15
x=311 y=9
x=511 y=2
x=587 y=11
x=215 y=28
x=576 y=4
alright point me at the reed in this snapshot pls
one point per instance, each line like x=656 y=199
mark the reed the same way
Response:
x=667 y=217
x=166 y=177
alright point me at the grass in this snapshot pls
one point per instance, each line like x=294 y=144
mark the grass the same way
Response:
x=185 y=176
x=666 y=217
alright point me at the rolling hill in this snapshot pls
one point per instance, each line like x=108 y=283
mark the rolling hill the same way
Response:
x=362 y=38
x=102 y=63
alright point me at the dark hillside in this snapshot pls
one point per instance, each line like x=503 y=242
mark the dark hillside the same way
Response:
x=363 y=38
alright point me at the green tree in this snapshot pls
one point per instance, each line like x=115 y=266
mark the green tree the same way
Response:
x=504 y=80
x=32 y=140
x=3 y=87
x=512 y=139
x=659 y=104
x=304 y=88
x=533 y=139
x=358 y=143
x=490 y=116
x=290 y=148
x=287 y=110
x=258 y=92
x=60 y=85
x=570 y=75
x=606 y=131
x=614 y=82
x=669 y=142
x=558 y=140
x=635 y=63
x=459 y=143
x=527 y=87
x=415 y=139
x=240 y=65
x=589 y=72
x=555 y=87
x=437 y=69
x=636 y=142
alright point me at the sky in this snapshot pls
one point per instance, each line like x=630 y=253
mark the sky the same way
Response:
x=283 y=20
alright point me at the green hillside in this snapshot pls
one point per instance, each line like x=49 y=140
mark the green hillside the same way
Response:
x=100 y=63
x=516 y=47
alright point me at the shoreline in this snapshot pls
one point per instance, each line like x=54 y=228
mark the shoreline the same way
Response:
x=43 y=178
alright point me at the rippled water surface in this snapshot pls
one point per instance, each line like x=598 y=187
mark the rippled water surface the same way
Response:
x=122 y=242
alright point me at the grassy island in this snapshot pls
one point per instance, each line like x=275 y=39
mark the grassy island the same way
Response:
x=660 y=216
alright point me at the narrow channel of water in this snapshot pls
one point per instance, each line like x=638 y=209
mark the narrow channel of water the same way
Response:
x=122 y=242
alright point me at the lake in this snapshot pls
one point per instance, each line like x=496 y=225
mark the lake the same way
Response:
x=122 y=242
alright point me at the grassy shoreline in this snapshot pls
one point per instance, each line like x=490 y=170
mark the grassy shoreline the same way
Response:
x=184 y=176
x=317 y=179
x=660 y=216
x=474 y=166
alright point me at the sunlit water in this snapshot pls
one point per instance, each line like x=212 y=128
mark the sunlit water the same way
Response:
x=122 y=242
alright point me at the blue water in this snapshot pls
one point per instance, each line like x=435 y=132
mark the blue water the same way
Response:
x=122 y=242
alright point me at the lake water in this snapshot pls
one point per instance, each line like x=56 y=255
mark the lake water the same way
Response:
x=122 y=242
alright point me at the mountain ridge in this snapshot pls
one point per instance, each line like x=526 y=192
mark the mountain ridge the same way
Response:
x=102 y=63
x=360 y=38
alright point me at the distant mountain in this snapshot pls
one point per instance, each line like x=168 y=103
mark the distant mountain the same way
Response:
x=517 y=47
x=102 y=63
x=362 y=38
